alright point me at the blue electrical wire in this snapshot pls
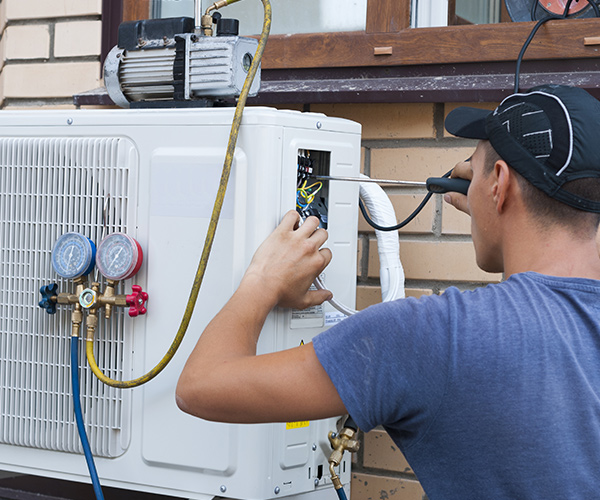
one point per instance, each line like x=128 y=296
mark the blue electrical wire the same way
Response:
x=89 y=458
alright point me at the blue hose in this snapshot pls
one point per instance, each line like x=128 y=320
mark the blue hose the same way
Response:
x=89 y=458
x=341 y=494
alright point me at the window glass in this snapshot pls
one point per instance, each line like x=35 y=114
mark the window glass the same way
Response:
x=172 y=8
x=429 y=13
x=479 y=11
x=289 y=16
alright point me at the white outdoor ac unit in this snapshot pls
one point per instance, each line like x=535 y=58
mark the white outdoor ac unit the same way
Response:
x=153 y=174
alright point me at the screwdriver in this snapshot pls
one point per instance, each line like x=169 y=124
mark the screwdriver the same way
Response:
x=433 y=184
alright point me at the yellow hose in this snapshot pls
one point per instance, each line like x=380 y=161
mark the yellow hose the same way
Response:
x=212 y=227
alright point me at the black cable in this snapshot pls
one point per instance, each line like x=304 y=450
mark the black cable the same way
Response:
x=534 y=5
x=524 y=48
x=532 y=34
x=400 y=225
x=595 y=7
x=538 y=26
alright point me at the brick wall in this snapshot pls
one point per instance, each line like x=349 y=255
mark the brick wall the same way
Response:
x=49 y=50
x=408 y=142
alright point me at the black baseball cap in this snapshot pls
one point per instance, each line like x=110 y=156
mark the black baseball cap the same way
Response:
x=549 y=134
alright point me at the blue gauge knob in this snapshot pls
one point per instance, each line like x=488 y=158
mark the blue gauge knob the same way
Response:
x=73 y=255
x=48 y=291
x=119 y=257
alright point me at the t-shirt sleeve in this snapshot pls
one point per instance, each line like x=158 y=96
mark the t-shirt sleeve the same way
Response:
x=389 y=363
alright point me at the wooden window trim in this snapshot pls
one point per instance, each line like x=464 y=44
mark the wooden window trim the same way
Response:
x=561 y=39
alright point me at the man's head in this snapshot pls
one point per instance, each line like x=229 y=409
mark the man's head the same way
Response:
x=545 y=141
x=549 y=135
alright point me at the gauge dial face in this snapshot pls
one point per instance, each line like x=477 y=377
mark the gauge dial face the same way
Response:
x=119 y=257
x=73 y=255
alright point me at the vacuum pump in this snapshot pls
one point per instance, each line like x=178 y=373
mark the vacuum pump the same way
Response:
x=160 y=61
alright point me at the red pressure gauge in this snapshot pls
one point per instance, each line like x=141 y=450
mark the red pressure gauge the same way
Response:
x=119 y=257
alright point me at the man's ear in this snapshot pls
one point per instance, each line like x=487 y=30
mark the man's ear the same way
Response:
x=503 y=182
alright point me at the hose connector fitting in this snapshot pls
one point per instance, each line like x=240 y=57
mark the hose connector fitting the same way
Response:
x=344 y=441
x=206 y=21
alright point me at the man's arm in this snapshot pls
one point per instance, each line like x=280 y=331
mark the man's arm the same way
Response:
x=224 y=379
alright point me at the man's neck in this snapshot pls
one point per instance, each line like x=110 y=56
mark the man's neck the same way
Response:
x=556 y=252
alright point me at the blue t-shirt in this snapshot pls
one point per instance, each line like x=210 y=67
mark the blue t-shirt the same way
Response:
x=490 y=394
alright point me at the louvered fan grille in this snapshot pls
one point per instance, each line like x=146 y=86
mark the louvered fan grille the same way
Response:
x=49 y=186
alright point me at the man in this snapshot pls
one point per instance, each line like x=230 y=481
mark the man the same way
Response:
x=493 y=393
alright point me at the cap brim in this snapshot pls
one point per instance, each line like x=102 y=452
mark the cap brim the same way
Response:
x=467 y=122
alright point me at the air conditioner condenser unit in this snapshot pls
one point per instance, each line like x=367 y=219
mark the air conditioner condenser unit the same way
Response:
x=153 y=174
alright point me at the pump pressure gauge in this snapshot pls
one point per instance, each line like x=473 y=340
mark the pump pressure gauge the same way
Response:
x=73 y=255
x=119 y=257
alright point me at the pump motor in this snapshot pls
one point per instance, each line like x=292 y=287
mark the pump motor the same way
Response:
x=167 y=60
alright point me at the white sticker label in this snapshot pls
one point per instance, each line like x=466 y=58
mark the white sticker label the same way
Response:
x=331 y=318
x=311 y=317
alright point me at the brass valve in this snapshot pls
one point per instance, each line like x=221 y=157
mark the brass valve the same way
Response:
x=344 y=441
x=91 y=300
x=206 y=21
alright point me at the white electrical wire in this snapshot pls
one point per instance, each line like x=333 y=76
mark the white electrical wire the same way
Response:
x=388 y=244
x=337 y=305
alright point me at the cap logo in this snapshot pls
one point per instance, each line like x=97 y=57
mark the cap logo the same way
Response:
x=531 y=127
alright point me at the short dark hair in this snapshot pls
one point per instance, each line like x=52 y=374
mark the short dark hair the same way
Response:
x=551 y=211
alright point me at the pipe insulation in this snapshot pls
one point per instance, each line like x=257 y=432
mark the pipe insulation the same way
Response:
x=388 y=245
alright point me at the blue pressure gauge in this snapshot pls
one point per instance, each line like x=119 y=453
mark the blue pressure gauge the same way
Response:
x=73 y=255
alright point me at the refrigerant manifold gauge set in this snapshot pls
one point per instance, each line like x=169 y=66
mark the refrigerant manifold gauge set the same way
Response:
x=74 y=256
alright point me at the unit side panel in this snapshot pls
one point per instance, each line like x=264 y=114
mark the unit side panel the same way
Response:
x=302 y=449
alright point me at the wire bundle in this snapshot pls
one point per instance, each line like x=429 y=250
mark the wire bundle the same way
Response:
x=305 y=195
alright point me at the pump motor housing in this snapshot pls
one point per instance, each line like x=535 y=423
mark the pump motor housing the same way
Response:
x=164 y=60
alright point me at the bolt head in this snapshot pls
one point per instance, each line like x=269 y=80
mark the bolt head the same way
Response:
x=319 y=125
x=87 y=298
x=223 y=488
x=314 y=447
x=277 y=490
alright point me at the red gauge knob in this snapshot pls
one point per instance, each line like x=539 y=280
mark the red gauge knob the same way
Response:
x=137 y=301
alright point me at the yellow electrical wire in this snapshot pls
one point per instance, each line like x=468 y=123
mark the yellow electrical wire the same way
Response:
x=307 y=194
x=212 y=227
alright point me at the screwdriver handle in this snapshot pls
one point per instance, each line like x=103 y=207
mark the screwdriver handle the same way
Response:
x=444 y=185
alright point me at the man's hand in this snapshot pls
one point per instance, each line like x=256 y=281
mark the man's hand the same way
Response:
x=288 y=261
x=462 y=170
x=224 y=379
